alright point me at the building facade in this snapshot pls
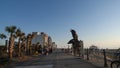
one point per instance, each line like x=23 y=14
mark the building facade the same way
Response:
x=40 y=37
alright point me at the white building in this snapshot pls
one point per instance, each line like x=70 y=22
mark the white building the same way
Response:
x=40 y=37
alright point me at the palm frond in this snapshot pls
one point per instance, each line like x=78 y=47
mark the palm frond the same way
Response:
x=2 y=36
x=10 y=29
x=18 y=32
x=7 y=29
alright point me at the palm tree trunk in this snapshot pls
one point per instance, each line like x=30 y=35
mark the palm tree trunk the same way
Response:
x=25 y=50
x=28 y=47
x=11 y=45
x=19 y=48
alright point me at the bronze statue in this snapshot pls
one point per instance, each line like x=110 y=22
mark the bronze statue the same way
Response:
x=75 y=36
x=75 y=43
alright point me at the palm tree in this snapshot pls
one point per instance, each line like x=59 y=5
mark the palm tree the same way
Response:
x=32 y=36
x=11 y=30
x=23 y=43
x=2 y=36
x=20 y=35
x=29 y=42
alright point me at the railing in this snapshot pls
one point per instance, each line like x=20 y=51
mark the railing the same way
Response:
x=100 y=57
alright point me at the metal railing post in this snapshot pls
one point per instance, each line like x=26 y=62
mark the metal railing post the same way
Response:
x=87 y=54
x=105 y=60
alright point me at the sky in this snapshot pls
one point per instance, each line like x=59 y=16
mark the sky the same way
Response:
x=97 y=22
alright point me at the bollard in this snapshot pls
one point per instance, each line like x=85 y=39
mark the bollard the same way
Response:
x=87 y=54
x=105 y=60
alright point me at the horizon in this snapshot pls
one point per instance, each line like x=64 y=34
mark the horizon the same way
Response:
x=95 y=21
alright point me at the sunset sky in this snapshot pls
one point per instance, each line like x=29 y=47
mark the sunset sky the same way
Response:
x=95 y=21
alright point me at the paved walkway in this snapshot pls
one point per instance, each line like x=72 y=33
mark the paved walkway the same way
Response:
x=56 y=60
x=67 y=61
